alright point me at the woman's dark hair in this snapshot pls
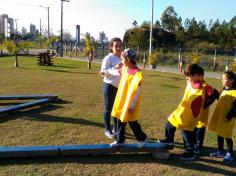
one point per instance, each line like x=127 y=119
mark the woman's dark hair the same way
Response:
x=232 y=76
x=115 y=39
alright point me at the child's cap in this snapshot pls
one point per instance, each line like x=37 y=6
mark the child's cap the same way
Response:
x=129 y=53
x=192 y=69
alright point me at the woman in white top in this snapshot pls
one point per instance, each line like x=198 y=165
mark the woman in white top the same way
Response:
x=111 y=82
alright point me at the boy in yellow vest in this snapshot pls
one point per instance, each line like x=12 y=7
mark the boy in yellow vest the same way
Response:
x=190 y=113
x=127 y=101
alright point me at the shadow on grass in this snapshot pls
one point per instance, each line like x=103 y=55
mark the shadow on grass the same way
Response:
x=36 y=114
x=202 y=165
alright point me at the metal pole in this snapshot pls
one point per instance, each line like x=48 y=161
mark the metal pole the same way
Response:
x=16 y=58
x=40 y=33
x=151 y=26
x=61 y=28
x=48 y=25
x=48 y=20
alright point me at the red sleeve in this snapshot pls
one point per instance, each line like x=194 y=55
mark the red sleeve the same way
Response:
x=208 y=90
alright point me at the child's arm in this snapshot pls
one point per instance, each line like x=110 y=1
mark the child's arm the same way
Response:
x=232 y=113
x=134 y=101
x=211 y=96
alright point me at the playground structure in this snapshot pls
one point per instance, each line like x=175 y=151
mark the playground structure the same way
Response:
x=157 y=150
x=37 y=100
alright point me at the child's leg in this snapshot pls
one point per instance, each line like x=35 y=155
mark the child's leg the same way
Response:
x=170 y=132
x=220 y=143
x=229 y=142
x=228 y=158
x=199 y=134
x=138 y=132
x=116 y=125
x=121 y=132
x=220 y=152
x=188 y=138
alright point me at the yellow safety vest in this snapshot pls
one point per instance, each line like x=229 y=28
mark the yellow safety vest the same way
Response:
x=218 y=122
x=125 y=94
x=183 y=116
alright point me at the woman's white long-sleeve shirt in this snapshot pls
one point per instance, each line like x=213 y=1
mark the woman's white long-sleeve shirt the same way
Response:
x=108 y=64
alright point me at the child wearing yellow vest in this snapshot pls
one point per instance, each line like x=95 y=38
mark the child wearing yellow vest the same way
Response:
x=221 y=122
x=193 y=141
x=190 y=111
x=127 y=101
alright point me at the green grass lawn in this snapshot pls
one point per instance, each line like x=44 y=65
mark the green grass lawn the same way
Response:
x=79 y=120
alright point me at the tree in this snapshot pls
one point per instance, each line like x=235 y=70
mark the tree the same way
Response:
x=2 y=38
x=12 y=48
x=170 y=20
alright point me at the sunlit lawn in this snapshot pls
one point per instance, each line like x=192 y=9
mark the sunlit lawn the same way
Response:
x=79 y=120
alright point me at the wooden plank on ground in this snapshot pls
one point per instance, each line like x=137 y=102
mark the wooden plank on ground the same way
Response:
x=148 y=147
x=80 y=150
x=18 y=107
x=29 y=151
x=28 y=97
x=73 y=150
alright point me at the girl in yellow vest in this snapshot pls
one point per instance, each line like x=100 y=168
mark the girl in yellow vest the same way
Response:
x=221 y=122
x=127 y=101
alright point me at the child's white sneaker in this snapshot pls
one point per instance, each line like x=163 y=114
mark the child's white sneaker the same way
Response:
x=109 y=134
x=116 y=144
x=141 y=144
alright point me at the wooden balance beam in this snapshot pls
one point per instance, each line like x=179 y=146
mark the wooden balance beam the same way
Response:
x=28 y=97
x=18 y=107
x=157 y=150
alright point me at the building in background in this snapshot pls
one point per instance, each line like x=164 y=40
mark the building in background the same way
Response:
x=23 y=31
x=6 y=25
x=32 y=29
x=102 y=37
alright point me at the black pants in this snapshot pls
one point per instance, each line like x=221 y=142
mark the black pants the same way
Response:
x=229 y=143
x=135 y=127
x=170 y=132
x=109 y=92
x=193 y=140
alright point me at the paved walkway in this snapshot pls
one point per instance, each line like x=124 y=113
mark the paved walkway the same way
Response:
x=163 y=69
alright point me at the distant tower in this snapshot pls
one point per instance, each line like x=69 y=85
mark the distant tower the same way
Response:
x=32 y=29
x=77 y=34
x=102 y=36
x=23 y=31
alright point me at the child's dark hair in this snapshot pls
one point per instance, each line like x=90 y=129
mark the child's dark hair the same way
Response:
x=115 y=39
x=192 y=69
x=232 y=76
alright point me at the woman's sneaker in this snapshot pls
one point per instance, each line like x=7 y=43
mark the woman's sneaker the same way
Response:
x=228 y=159
x=218 y=154
x=109 y=134
x=141 y=144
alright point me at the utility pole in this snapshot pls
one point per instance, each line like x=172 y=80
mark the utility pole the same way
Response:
x=40 y=33
x=16 y=43
x=48 y=20
x=151 y=26
x=62 y=26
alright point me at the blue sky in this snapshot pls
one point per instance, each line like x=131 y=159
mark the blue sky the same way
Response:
x=113 y=17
